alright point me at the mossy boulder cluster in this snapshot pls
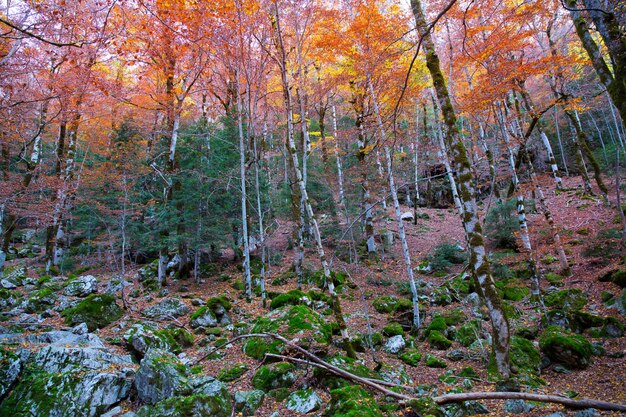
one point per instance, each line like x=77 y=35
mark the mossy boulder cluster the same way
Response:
x=141 y=337
x=561 y=346
x=213 y=314
x=97 y=311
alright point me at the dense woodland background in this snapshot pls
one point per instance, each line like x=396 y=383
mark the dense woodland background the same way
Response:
x=417 y=176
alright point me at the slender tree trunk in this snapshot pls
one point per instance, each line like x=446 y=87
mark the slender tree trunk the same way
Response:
x=444 y=159
x=595 y=125
x=558 y=136
x=478 y=263
x=260 y=214
x=244 y=197
x=292 y=151
x=396 y=206
x=342 y=196
x=416 y=172
x=618 y=191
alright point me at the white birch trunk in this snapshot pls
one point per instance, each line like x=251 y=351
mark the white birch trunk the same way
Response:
x=396 y=206
x=244 y=214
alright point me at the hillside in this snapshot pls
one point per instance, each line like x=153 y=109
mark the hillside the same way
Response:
x=449 y=353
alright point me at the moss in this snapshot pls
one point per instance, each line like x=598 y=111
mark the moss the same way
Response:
x=97 y=311
x=393 y=329
x=352 y=401
x=468 y=372
x=434 y=362
x=612 y=328
x=215 y=302
x=238 y=285
x=285 y=277
x=554 y=279
x=199 y=312
x=276 y=375
x=353 y=366
x=279 y=394
x=570 y=349
x=468 y=333
x=257 y=347
x=438 y=323
x=231 y=374
x=411 y=357
x=437 y=340
x=391 y=304
x=190 y=406
x=570 y=300
x=515 y=293
x=454 y=317
x=581 y=320
x=617 y=277
x=425 y=406
x=524 y=356
x=293 y=297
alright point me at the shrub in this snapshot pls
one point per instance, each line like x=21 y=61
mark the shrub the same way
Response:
x=501 y=225
x=446 y=255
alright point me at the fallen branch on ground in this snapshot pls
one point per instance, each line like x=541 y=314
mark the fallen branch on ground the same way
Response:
x=314 y=360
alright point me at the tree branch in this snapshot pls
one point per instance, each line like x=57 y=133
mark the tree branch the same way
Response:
x=38 y=37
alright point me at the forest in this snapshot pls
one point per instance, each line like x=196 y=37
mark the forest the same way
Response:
x=307 y=207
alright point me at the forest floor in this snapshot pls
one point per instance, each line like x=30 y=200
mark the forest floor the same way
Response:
x=584 y=224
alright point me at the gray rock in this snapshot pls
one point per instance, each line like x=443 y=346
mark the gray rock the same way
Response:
x=589 y=412
x=10 y=368
x=166 y=309
x=16 y=275
x=206 y=319
x=517 y=406
x=456 y=355
x=141 y=337
x=197 y=302
x=395 y=344
x=160 y=376
x=408 y=216
x=75 y=376
x=81 y=286
x=173 y=264
x=472 y=299
x=8 y=285
x=557 y=414
x=247 y=402
x=81 y=329
x=304 y=401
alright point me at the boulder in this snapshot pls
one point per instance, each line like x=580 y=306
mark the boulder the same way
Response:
x=275 y=375
x=166 y=309
x=97 y=311
x=560 y=346
x=10 y=368
x=81 y=286
x=395 y=344
x=141 y=337
x=73 y=376
x=161 y=375
x=304 y=401
x=352 y=400
x=407 y=216
x=247 y=402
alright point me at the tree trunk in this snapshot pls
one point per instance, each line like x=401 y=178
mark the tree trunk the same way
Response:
x=247 y=280
x=396 y=206
x=478 y=263
x=293 y=154
x=614 y=39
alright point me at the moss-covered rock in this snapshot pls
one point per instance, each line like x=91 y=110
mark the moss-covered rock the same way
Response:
x=293 y=297
x=560 y=346
x=569 y=300
x=352 y=401
x=468 y=333
x=299 y=321
x=276 y=375
x=393 y=329
x=161 y=375
x=353 y=366
x=411 y=357
x=247 y=402
x=438 y=323
x=166 y=309
x=200 y=405
x=434 y=362
x=232 y=373
x=612 y=328
x=437 y=340
x=425 y=406
x=141 y=337
x=304 y=401
x=97 y=311
x=617 y=277
x=392 y=304
x=515 y=293
x=454 y=317
x=524 y=356
x=40 y=300
x=10 y=368
x=581 y=320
